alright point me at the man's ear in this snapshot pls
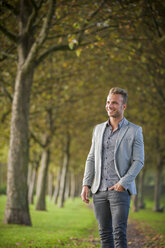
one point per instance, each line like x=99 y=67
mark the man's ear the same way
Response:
x=124 y=106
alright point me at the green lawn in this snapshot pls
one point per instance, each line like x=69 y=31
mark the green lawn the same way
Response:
x=148 y=217
x=72 y=226
x=53 y=228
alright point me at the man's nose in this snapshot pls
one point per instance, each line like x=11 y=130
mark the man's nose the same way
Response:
x=109 y=105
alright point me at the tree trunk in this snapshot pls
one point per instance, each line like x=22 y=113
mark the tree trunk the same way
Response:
x=32 y=184
x=50 y=185
x=73 y=186
x=141 y=203
x=41 y=182
x=17 y=210
x=64 y=172
x=135 y=198
x=31 y=187
x=57 y=187
x=30 y=171
x=158 y=185
x=78 y=188
x=67 y=187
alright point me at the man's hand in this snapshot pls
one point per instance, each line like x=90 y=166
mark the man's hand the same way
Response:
x=85 y=193
x=117 y=187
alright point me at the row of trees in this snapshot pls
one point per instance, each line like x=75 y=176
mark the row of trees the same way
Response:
x=64 y=57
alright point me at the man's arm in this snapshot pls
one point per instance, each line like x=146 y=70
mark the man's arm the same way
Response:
x=138 y=160
x=85 y=194
x=89 y=171
x=90 y=164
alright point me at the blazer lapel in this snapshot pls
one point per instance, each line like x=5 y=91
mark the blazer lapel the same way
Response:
x=121 y=134
x=102 y=129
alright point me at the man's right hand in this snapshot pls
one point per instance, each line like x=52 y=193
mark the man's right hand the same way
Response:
x=85 y=194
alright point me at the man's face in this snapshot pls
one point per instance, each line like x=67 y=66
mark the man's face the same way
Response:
x=114 y=106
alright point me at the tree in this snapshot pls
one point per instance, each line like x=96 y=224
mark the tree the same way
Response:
x=112 y=43
x=34 y=19
x=65 y=167
x=17 y=210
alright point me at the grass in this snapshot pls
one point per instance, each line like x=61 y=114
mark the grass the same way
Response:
x=54 y=228
x=151 y=225
x=155 y=220
x=72 y=226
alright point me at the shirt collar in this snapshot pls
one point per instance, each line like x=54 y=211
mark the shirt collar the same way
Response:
x=119 y=125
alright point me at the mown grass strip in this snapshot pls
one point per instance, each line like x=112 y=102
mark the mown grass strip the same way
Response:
x=54 y=228
x=74 y=225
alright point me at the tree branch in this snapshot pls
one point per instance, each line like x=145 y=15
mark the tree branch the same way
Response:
x=5 y=115
x=32 y=16
x=49 y=50
x=40 y=4
x=6 y=92
x=10 y=7
x=5 y=55
x=158 y=89
x=35 y=139
x=9 y=96
x=89 y=19
x=9 y=34
x=66 y=47
x=42 y=36
x=155 y=21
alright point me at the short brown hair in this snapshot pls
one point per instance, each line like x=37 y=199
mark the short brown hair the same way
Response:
x=120 y=91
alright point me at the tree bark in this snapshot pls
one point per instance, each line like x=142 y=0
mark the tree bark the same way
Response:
x=57 y=187
x=31 y=187
x=135 y=198
x=50 y=185
x=64 y=172
x=141 y=203
x=17 y=210
x=30 y=171
x=41 y=182
x=78 y=188
x=158 y=185
x=73 y=186
x=32 y=184
x=67 y=187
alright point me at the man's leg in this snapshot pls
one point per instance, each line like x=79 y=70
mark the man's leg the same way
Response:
x=103 y=216
x=119 y=205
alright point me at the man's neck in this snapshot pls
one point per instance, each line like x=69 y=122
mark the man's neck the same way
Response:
x=115 y=122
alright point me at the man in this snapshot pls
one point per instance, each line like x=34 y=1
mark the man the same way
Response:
x=115 y=159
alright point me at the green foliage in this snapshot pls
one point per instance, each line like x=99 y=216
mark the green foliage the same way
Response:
x=3 y=190
x=125 y=48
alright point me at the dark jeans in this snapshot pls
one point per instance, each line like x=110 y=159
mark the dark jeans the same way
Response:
x=111 y=210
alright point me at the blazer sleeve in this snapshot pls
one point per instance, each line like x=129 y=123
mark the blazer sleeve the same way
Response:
x=90 y=164
x=137 y=160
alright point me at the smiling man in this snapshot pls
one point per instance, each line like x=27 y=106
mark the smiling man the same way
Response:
x=115 y=159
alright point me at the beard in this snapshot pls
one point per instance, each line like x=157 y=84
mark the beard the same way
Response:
x=115 y=114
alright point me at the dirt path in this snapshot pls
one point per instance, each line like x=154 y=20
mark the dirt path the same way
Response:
x=136 y=236
x=143 y=237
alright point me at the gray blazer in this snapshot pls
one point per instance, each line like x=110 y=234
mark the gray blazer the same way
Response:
x=128 y=156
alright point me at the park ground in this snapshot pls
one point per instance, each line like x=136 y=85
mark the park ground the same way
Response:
x=75 y=226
